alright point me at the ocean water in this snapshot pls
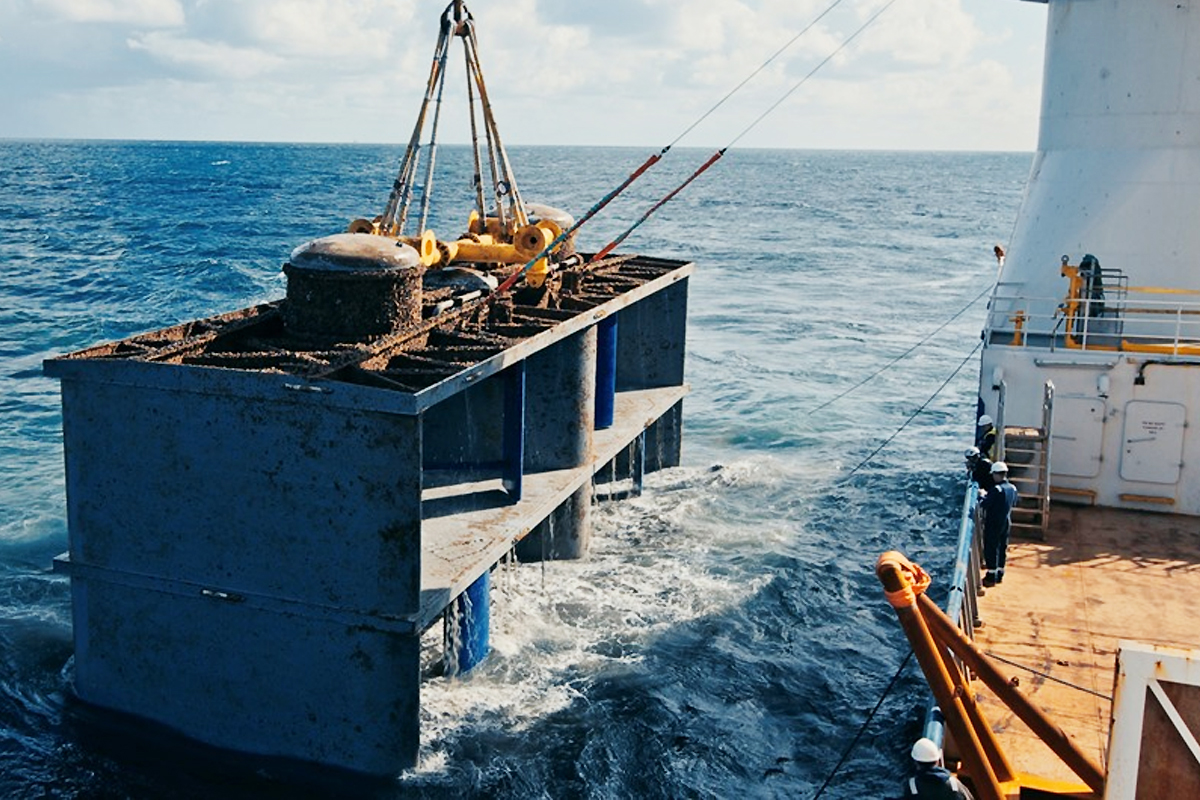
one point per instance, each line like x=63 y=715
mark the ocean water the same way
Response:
x=726 y=637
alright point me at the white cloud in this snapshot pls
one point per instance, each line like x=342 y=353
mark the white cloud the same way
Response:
x=329 y=29
x=707 y=25
x=929 y=33
x=139 y=13
x=558 y=71
x=525 y=55
x=206 y=58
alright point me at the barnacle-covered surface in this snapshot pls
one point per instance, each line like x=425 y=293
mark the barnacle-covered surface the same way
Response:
x=457 y=330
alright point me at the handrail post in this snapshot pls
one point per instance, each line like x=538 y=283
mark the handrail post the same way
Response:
x=1178 y=328
x=1047 y=462
x=1001 y=398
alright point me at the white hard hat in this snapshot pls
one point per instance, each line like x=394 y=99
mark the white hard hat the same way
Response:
x=999 y=466
x=926 y=752
x=984 y=420
x=972 y=452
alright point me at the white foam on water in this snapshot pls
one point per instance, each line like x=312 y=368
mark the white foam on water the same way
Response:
x=654 y=563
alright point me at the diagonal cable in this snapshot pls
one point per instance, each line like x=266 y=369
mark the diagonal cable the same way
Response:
x=900 y=357
x=914 y=415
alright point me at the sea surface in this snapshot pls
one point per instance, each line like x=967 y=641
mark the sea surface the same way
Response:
x=726 y=637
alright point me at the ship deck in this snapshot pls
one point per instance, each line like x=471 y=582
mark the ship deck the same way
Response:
x=1101 y=575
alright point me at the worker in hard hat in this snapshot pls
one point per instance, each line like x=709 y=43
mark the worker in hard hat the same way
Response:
x=932 y=781
x=997 y=509
x=985 y=437
x=980 y=469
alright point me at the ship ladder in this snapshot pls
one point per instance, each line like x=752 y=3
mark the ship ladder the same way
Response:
x=1027 y=452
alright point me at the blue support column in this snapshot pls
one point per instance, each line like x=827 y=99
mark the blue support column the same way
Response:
x=468 y=621
x=513 y=438
x=606 y=370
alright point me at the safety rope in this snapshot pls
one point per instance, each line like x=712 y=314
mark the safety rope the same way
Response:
x=917 y=583
x=863 y=727
x=751 y=76
x=507 y=284
x=431 y=158
x=811 y=72
x=1050 y=677
x=395 y=213
x=914 y=415
x=713 y=159
x=506 y=184
x=591 y=212
x=900 y=357
x=608 y=248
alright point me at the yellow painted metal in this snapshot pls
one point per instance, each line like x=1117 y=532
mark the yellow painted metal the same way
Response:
x=1048 y=786
x=931 y=635
x=1018 y=321
x=1160 y=290
x=946 y=632
x=483 y=248
x=1160 y=349
x=546 y=232
x=1073 y=303
x=1090 y=494
x=1148 y=498
x=488 y=244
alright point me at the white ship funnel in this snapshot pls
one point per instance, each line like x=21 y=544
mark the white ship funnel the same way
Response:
x=1117 y=173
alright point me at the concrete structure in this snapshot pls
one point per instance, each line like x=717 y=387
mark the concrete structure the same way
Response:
x=263 y=523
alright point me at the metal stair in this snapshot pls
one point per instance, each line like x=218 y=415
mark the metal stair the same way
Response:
x=1026 y=450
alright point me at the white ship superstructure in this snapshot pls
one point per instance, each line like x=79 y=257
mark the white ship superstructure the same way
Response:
x=1116 y=177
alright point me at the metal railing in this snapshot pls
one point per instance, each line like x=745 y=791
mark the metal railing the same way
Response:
x=1132 y=319
x=962 y=605
x=1047 y=461
x=999 y=421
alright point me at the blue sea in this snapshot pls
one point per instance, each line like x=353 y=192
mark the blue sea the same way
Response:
x=726 y=637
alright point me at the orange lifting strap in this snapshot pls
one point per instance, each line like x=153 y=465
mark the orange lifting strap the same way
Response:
x=917 y=582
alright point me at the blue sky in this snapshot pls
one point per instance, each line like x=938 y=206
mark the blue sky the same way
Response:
x=927 y=75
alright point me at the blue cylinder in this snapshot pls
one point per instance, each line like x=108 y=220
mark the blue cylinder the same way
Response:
x=606 y=370
x=472 y=614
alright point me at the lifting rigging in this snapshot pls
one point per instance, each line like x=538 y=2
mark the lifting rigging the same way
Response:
x=510 y=232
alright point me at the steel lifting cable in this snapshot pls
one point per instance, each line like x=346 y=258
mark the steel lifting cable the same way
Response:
x=716 y=156
x=427 y=187
x=656 y=157
x=396 y=211
x=811 y=72
x=591 y=212
x=608 y=248
x=478 y=176
x=1050 y=677
x=915 y=414
x=900 y=357
x=863 y=727
x=751 y=76
x=502 y=173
